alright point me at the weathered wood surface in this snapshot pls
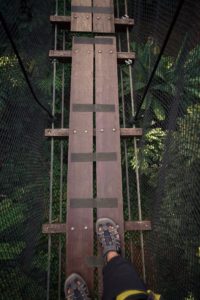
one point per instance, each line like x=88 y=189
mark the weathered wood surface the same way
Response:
x=66 y=55
x=80 y=175
x=138 y=225
x=81 y=21
x=124 y=22
x=128 y=226
x=64 y=132
x=109 y=177
x=103 y=22
x=65 y=22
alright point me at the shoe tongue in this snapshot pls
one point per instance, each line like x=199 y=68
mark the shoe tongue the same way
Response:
x=77 y=295
x=107 y=237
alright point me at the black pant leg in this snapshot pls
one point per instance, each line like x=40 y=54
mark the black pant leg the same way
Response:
x=119 y=276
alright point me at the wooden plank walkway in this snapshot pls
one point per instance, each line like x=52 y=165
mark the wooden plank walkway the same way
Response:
x=103 y=16
x=81 y=19
x=80 y=174
x=109 y=177
x=94 y=133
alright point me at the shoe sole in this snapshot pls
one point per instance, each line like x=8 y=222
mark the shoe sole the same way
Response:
x=72 y=278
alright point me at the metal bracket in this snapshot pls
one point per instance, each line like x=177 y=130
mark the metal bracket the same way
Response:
x=93 y=41
x=94 y=203
x=94 y=261
x=92 y=157
x=93 y=108
x=95 y=10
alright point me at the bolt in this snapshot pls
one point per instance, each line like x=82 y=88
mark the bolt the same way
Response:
x=72 y=228
x=98 y=18
x=114 y=129
x=86 y=131
x=100 y=51
x=85 y=227
x=128 y=62
x=88 y=52
x=76 y=51
x=74 y=131
x=111 y=52
x=87 y=17
x=102 y=130
x=75 y=17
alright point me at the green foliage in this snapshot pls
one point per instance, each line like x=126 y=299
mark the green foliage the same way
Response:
x=151 y=156
x=178 y=224
x=174 y=75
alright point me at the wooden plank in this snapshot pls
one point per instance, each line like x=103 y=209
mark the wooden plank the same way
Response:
x=81 y=21
x=66 y=55
x=123 y=23
x=109 y=177
x=131 y=132
x=64 y=132
x=103 y=22
x=80 y=175
x=125 y=56
x=137 y=225
x=128 y=226
x=62 y=56
x=65 y=22
x=54 y=228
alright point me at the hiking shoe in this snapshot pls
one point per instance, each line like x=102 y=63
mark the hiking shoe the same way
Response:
x=108 y=235
x=76 y=288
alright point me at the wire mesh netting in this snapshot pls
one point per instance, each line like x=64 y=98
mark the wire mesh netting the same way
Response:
x=169 y=149
x=23 y=154
x=168 y=153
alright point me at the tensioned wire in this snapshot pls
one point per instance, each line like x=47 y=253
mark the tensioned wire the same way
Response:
x=136 y=153
x=168 y=35
x=135 y=143
x=21 y=64
x=124 y=141
x=61 y=165
x=52 y=162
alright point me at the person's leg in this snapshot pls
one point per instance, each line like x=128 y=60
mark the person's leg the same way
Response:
x=118 y=274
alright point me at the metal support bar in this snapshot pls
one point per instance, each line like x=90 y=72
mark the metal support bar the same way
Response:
x=93 y=108
x=88 y=157
x=94 y=203
x=94 y=261
x=89 y=9
x=93 y=41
